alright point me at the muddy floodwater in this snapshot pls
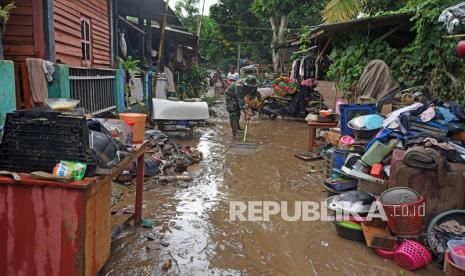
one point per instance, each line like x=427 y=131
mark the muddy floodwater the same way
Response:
x=201 y=240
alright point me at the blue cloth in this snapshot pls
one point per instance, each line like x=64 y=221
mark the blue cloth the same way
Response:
x=447 y=115
x=382 y=136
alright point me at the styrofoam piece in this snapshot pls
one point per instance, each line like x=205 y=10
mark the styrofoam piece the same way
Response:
x=170 y=110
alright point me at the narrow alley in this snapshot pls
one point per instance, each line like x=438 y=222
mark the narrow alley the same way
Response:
x=202 y=241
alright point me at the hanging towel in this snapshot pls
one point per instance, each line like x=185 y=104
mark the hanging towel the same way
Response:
x=302 y=69
x=37 y=80
x=294 y=69
x=49 y=70
x=170 y=80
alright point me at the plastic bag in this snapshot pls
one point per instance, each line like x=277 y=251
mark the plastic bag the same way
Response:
x=66 y=168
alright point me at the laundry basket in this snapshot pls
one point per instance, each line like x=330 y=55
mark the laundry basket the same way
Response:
x=405 y=218
x=411 y=255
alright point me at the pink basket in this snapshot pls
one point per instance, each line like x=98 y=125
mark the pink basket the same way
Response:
x=411 y=255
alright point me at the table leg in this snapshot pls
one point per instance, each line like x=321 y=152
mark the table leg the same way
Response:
x=311 y=138
x=139 y=189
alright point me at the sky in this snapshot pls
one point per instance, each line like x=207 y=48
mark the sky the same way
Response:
x=208 y=3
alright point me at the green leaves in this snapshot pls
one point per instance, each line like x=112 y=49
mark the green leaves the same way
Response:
x=342 y=10
x=429 y=60
x=5 y=12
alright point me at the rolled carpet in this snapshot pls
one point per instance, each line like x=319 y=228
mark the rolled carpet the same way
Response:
x=430 y=159
x=421 y=157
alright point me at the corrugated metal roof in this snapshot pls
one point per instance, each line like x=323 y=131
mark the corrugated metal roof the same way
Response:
x=153 y=9
x=362 y=24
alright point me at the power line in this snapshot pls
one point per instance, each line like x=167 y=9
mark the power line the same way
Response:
x=235 y=26
x=250 y=42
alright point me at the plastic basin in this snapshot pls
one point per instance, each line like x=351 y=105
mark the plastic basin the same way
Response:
x=459 y=260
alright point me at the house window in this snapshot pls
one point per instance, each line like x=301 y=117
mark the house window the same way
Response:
x=85 y=39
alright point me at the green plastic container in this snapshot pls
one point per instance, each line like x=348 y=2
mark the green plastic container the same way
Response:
x=378 y=151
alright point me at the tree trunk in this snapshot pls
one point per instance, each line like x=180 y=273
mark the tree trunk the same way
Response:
x=1 y=40
x=279 y=32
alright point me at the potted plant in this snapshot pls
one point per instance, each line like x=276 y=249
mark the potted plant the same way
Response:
x=4 y=15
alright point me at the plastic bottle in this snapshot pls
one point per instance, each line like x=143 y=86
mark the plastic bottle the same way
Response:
x=338 y=104
x=130 y=133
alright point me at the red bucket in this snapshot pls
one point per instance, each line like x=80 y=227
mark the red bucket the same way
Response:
x=405 y=219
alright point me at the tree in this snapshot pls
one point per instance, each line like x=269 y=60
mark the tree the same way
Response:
x=211 y=45
x=188 y=12
x=343 y=10
x=237 y=23
x=278 y=13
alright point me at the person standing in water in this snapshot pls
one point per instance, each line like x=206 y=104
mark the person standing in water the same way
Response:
x=235 y=102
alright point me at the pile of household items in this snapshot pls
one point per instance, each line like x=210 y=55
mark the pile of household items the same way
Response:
x=58 y=142
x=397 y=182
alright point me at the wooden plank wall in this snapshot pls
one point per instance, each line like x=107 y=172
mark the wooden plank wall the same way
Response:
x=67 y=15
x=18 y=40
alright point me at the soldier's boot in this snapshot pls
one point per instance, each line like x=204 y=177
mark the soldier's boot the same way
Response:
x=234 y=122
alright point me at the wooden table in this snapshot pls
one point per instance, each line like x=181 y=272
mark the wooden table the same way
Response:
x=137 y=153
x=312 y=127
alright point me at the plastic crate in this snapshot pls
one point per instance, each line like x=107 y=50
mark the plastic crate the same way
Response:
x=36 y=140
x=350 y=111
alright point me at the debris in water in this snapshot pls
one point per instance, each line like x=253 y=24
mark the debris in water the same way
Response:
x=151 y=236
x=147 y=223
x=164 y=243
x=154 y=245
x=183 y=184
x=324 y=243
x=166 y=265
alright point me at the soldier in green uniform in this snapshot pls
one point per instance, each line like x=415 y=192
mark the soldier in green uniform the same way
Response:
x=235 y=102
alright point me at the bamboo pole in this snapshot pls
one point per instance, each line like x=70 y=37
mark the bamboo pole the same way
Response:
x=454 y=36
x=160 y=49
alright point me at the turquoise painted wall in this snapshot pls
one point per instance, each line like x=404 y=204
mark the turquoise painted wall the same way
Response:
x=59 y=88
x=7 y=89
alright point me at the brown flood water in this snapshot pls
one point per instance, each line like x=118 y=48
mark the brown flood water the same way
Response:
x=202 y=240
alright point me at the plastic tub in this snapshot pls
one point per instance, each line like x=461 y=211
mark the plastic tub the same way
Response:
x=458 y=215
x=349 y=230
x=450 y=268
x=139 y=124
x=385 y=253
x=459 y=260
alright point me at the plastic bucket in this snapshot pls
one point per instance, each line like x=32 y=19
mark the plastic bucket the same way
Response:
x=139 y=124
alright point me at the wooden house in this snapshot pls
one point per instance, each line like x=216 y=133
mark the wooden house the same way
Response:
x=83 y=37
x=76 y=33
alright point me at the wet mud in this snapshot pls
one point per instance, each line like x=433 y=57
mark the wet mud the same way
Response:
x=201 y=239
